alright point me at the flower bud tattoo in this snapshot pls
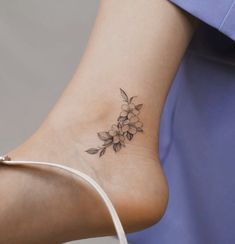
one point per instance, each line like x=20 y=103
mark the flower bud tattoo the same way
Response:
x=127 y=125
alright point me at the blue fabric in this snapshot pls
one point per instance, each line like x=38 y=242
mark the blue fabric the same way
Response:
x=217 y=13
x=197 y=136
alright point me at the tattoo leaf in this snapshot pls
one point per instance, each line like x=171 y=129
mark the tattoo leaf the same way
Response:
x=122 y=119
x=92 y=150
x=139 y=106
x=132 y=99
x=102 y=152
x=140 y=129
x=117 y=146
x=129 y=136
x=108 y=142
x=124 y=95
x=104 y=135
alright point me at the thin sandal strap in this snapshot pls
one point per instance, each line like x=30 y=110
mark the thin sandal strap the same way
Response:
x=116 y=221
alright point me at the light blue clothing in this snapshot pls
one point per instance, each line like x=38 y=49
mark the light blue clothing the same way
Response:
x=197 y=135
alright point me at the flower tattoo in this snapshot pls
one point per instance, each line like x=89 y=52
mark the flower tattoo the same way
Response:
x=128 y=124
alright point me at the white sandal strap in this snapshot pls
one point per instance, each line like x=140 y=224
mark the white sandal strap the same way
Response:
x=117 y=223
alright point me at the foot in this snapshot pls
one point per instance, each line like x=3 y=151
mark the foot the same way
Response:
x=132 y=176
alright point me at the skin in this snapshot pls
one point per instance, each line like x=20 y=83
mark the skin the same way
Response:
x=134 y=46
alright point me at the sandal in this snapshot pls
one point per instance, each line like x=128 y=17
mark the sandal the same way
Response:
x=116 y=221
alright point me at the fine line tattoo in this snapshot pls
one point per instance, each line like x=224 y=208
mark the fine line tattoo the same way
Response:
x=127 y=125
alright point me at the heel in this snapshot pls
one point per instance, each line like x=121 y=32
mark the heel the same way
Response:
x=6 y=160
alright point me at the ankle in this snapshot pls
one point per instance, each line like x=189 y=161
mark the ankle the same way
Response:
x=85 y=121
